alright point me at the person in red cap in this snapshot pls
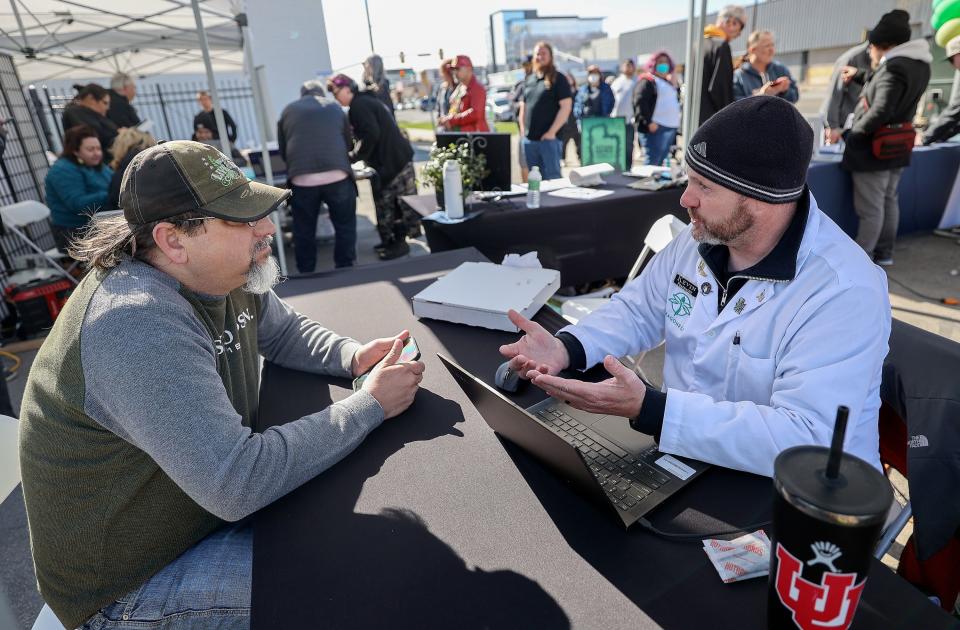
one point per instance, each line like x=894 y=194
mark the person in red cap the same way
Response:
x=468 y=102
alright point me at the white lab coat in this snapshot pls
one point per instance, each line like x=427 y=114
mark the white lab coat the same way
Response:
x=806 y=346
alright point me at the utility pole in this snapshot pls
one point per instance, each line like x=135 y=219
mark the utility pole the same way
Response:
x=366 y=8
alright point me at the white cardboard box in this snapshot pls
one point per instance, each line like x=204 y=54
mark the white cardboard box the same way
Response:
x=479 y=294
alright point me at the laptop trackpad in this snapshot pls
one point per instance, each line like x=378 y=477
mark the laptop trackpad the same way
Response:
x=618 y=431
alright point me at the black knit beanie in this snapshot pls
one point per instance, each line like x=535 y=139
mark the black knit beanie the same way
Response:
x=758 y=146
x=893 y=28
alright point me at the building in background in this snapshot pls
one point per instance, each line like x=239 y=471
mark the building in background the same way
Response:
x=810 y=35
x=512 y=34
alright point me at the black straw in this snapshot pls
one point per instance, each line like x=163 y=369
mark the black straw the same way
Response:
x=836 y=447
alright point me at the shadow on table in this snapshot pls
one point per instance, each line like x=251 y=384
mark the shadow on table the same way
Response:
x=360 y=570
x=669 y=580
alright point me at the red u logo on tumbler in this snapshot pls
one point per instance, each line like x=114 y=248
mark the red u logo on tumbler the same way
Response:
x=830 y=604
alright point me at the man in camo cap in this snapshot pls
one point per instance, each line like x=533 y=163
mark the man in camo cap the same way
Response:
x=136 y=446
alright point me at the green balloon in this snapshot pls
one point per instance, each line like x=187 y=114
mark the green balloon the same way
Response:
x=947 y=10
x=937 y=3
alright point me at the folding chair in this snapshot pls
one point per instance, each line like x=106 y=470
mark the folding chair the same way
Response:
x=659 y=236
x=23 y=219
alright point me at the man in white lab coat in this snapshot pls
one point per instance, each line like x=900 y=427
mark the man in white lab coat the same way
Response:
x=771 y=315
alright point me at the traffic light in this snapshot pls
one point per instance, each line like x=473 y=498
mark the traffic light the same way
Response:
x=401 y=58
x=441 y=53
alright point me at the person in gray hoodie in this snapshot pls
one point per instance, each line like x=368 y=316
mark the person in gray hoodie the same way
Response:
x=901 y=71
x=314 y=138
x=759 y=74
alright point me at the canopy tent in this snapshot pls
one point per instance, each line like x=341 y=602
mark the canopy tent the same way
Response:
x=56 y=39
x=51 y=39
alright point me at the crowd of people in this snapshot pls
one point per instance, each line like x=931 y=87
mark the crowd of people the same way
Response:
x=140 y=463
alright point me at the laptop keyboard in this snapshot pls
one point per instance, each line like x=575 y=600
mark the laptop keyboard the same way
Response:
x=624 y=477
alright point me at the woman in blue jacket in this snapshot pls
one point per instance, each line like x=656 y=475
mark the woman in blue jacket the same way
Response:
x=594 y=98
x=760 y=74
x=77 y=184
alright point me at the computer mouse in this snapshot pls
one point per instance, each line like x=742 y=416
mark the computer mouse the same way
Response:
x=507 y=379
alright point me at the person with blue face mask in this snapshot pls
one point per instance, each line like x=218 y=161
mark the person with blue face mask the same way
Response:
x=594 y=98
x=656 y=108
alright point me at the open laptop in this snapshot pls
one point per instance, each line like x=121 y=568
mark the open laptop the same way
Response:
x=600 y=455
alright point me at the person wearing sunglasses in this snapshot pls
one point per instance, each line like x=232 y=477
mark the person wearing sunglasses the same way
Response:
x=138 y=455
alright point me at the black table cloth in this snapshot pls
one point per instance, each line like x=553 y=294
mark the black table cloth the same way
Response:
x=586 y=241
x=435 y=522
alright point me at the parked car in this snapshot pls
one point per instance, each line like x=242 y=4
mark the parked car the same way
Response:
x=428 y=103
x=502 y=107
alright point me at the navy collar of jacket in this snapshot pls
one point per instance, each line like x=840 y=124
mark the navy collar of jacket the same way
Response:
x=780 y=264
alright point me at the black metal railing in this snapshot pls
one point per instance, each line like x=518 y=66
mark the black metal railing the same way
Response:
x=171 y=107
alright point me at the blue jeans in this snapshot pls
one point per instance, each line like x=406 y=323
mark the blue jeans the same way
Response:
x=657 y=144
x=545 y=154
x=341 y=199
x=207 y=587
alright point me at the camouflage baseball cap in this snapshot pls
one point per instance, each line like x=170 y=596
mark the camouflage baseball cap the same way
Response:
x=185 y=176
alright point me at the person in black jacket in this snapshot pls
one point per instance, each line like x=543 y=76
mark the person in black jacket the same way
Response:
x=208 y=119
x=89 y=107
x=122 y=92
x=314 y=138
x=890 y=97
x=717 y=84
x=376 y=81
x=381 y=146
x=948 y=124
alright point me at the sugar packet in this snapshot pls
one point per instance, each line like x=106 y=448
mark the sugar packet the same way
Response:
x=740 y=559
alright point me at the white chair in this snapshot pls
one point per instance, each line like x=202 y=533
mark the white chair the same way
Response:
x=661 y=233
x=9 y=480
x=17 y=217
x=9 y=456
x=46 y=620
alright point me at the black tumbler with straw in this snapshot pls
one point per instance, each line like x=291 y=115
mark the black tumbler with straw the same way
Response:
x=828 y=510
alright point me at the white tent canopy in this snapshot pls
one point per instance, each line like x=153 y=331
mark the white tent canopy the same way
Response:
x=60 y=39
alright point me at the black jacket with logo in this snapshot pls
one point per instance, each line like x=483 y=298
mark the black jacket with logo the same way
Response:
x=890 y=96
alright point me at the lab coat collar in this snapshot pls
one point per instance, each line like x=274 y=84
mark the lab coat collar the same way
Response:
x=794 y=247
x=780 y=265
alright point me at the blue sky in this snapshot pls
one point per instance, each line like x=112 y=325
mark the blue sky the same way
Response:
x=457 y=26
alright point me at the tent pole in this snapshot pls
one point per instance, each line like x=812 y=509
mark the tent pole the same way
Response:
x=205 y=48
x=262 y=117
x=698 y=76
x=23 y=31
x=687 y=76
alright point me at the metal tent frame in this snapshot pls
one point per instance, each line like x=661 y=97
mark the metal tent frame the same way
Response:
x=51 y=39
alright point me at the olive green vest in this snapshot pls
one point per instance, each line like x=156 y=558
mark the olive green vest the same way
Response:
x=103 y=516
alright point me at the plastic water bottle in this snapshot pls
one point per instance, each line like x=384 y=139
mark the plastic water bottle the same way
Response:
x=533 y=187
x=452 y=189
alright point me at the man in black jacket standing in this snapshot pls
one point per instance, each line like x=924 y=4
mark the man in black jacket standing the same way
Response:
x=382 y=147
x=207 y=118
x=314 y=138
x=717 y=82
x=122 y=92
x=890 y=96
x=948 y=124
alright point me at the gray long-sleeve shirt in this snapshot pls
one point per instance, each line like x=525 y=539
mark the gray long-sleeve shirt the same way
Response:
x=135 y=428
x=188 y=424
